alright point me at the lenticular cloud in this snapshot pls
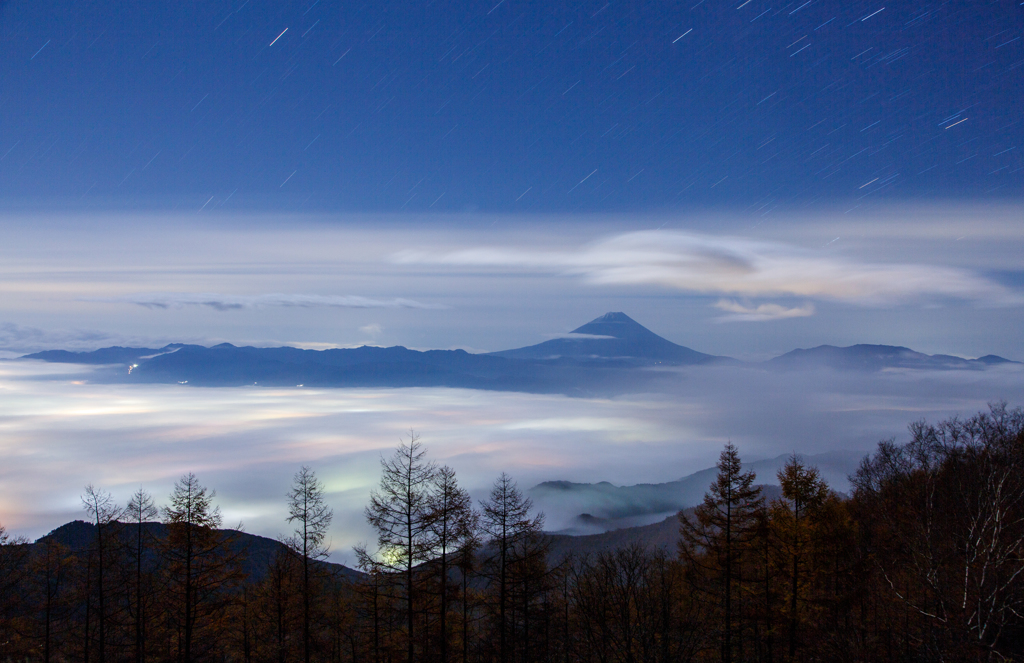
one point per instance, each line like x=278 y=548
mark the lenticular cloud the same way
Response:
x=236 y=302
x=737 y=266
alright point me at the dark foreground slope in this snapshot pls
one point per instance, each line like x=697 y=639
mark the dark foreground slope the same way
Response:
x=257 y=551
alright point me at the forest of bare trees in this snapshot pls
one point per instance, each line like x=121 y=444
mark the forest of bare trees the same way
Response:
x=922 y=561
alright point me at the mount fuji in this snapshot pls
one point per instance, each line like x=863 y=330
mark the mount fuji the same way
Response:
x=613 y=336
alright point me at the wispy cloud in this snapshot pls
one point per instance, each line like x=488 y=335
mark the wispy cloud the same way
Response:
x=738 y=312
x=737 y=266
x=19 y=339
x=575 y=336
x=222 y=302
x=373 y=329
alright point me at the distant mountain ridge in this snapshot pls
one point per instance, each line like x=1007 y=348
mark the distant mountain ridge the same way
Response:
x=604 y=506
x=610 y=354
x=878 y=357
x=112 y=355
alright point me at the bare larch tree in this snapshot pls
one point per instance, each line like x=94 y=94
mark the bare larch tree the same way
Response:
x=312 y=518
x=451 y=526
x=399 y=511
x=103 y=512
x=140 y=510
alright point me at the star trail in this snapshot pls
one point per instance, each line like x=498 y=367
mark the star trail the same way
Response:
x=455 y=106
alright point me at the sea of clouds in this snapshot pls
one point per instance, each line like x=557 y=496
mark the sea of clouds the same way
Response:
x=59 y=432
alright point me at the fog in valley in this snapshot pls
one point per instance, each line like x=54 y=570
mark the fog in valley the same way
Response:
x=61 y=432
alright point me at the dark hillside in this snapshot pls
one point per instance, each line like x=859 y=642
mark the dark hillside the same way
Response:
x=258 y=551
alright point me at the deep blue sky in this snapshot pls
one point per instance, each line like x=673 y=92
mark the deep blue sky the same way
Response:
x=806 y=173
x=509 y=106
x=741 y=177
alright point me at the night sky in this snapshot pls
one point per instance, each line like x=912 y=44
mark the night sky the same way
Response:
x=509 y=106
x=742 y=178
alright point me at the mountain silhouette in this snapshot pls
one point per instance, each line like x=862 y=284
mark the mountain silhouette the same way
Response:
x=612 y=354
x=864 y=357
x=612 y=336
x=111 y=355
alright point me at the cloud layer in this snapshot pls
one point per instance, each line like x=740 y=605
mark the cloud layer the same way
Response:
x=526 y=277
x=16 y=340
x=735 y=266
x=222 y=302
x=738 y=312
x=61 y=432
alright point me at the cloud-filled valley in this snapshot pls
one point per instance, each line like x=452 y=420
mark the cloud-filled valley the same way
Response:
x=247 y=442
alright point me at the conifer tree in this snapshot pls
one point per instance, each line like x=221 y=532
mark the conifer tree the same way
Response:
x=804 y=492
x=506 y=521
x=140 y=510
x=399 y=511
x=452 y=525
x=103 y=513
x=312 y=516
x=53 y=569
x=715 y=538
x=201 y=567
x=12 y=559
